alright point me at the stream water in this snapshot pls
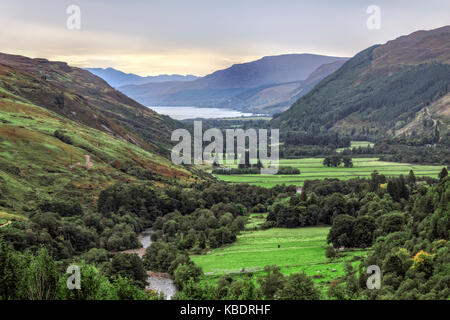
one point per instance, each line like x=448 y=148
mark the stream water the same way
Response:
x=158 y=282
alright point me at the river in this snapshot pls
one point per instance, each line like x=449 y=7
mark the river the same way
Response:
x=159 y=282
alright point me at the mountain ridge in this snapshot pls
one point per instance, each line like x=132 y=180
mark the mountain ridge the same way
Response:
x=116 y=78
x=380 y=90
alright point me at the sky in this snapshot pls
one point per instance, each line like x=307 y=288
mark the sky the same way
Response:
x=200 y=36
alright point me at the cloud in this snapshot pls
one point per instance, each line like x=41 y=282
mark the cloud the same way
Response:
x=198 y=36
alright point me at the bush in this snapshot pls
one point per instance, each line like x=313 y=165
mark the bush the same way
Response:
x=63 y=137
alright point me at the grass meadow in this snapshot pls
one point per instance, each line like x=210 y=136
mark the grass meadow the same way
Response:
x=312 y=168
x=356 y=144
x=293 y=250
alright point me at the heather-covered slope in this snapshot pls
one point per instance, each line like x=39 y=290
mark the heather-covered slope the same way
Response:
x=43 y=153
x=81 y=96
x=65 y=134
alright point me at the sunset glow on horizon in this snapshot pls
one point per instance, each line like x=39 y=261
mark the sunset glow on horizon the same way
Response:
x=201 y=37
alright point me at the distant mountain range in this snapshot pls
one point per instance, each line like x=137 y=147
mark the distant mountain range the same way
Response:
x=117 y=78
x=401 y=87
x=268 y=85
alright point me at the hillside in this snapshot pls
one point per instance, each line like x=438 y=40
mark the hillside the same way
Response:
x=264 y=85
x=36 y=163
x=65 y=135
x=80 y=96
x=117 y=78
x=400 y=87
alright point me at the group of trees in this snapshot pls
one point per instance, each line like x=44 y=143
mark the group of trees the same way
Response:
x=315 y=137
x=312 y=143
x=405 y=219
x=337 y=160
x=323 y=200
x=358 y=210
x=272 y=284
x=207 y=215
x=37 y=276
x=402 y=151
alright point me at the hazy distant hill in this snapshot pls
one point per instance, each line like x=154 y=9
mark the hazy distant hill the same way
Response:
x=242 y=86
x=279 y=97
x=117 y=78
x=400 y=87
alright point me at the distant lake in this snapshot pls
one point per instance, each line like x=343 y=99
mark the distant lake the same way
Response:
x=182 y=113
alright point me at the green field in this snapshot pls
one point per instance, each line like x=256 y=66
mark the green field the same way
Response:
x=301 y=250
x=356 y=144
x=312 y=168
x=255 y=220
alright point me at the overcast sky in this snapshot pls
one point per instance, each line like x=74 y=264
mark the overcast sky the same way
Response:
x=201 y=36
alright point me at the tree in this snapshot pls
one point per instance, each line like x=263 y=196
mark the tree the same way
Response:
x=348 y=162
x=41 y=277
x=91 y=282
x=330 y=252
x=392 y=222
x=11 y=272
x=327 y=162
x=363 y=228
x=298 y=287
x=333 y=161
x=334 y=205
x=271 y=282
x=397 y=188
x=443 y=174
x=341 y=232
x=375 y=181
x=411 y=178
x=159 y=256
x=242 y=289
x=185 y=272
x=124 y=289
x=130 y=266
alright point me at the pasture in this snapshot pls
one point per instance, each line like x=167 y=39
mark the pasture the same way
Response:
x=293 y=250
x=312 y=168
x=356 y=144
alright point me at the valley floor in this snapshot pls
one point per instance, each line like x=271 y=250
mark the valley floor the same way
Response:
x=293 y=250
x=312 y=168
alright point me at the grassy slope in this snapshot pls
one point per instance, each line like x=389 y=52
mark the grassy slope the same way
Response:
x=34 y=164
x=312 y=168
